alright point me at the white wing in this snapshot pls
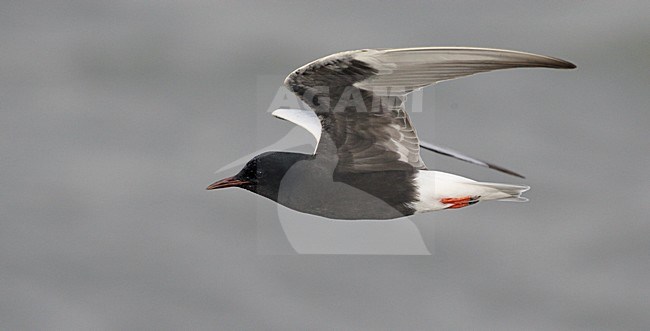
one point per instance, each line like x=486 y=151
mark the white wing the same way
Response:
x=303 y=118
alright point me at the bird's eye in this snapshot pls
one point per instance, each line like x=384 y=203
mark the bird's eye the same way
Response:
x=259 y=173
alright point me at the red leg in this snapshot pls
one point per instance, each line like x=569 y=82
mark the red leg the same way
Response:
x=460 y=202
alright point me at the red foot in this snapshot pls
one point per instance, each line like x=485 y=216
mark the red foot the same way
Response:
x=460 y=202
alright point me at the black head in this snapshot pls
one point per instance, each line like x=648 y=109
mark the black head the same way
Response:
x=263 y=174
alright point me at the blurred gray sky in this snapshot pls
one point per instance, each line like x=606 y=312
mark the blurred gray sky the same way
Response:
x=115 y=114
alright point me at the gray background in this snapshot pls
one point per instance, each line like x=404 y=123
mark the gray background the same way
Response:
x=115 y=114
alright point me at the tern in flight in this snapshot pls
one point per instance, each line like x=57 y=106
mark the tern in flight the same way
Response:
x=367 y=162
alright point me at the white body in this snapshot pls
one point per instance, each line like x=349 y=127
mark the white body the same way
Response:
x=433 y=186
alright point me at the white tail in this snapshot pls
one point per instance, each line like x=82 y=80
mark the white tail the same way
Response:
x=503 y=192
x=435 y=187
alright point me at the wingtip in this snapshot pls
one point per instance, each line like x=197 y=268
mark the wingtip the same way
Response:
x=559 y=63
x=459 y=156
x=276 y=113
x=553 y=63
x=504 y=170
x=566 y=65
